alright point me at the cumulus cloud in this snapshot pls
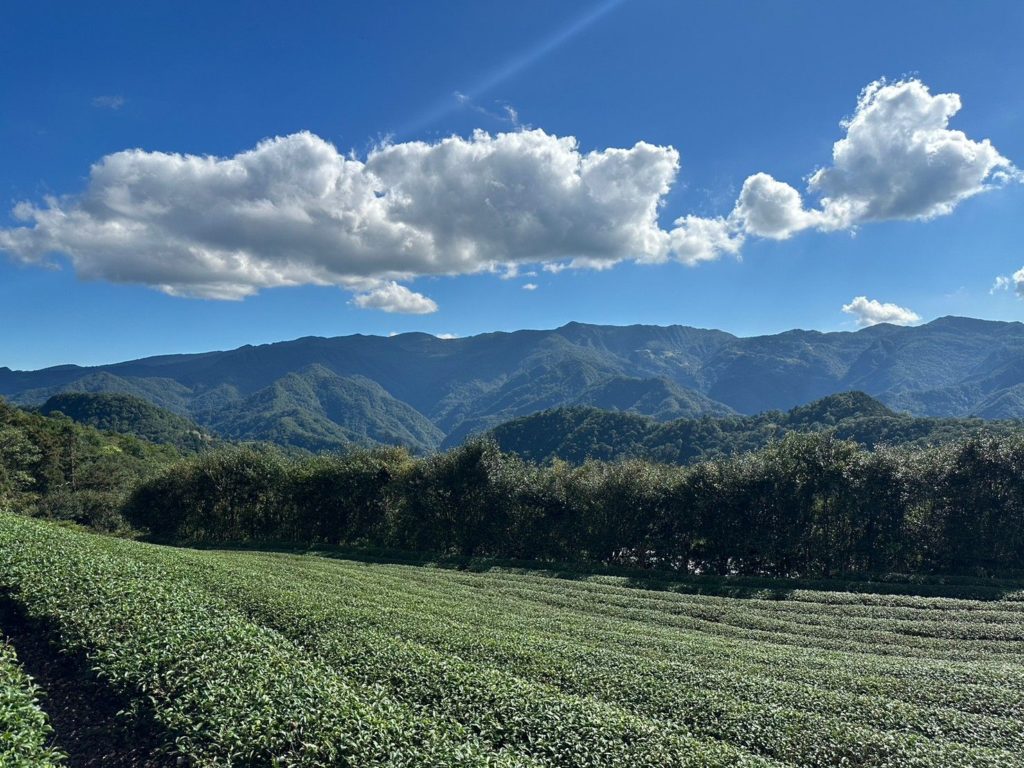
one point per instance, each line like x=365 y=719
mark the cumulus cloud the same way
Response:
x=529 y=286
x=770 y=208
x=392 y=297
x=898 y=160
x=695 y=239
x=872 y=312
x=1005 y=282
x=527 y=197
x=446 y=336
x=295 y=211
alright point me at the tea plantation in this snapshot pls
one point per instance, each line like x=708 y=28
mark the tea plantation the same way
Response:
x=265 y=659
x=24 y=730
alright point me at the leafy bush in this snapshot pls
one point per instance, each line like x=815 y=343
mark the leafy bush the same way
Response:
x=265 y=659
x=25 y=731
x=230 y=692
x=804 y=505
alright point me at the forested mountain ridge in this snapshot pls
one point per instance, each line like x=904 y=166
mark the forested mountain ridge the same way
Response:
x=950 y=367
x=129 y=415
x=319 y=410
x=576 y=434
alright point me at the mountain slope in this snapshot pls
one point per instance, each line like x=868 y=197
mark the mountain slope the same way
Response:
x=318 y=410
x=949 y=367
x=659 y=398
x=130 y=415
x=580 y=433
x=163 y=392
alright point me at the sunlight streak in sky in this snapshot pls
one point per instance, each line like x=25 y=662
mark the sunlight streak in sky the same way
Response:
x=510 y=68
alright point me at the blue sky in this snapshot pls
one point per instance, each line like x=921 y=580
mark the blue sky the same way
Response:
x=737 y=89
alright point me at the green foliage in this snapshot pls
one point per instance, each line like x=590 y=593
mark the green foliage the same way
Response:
x=804 y=505
x=262 y=659
x=462 y=500
x=232 y=692
x=345 y=498
x=25 y=732
x=578 y=434
x=234 y=495
x=129 y=415
x=19 y=456
x=51 y=466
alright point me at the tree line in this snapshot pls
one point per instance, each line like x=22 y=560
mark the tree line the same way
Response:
x=579 y=432
x=52 y=467
x=809 y=504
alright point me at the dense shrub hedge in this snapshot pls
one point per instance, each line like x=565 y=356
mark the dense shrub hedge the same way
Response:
x=806 y=505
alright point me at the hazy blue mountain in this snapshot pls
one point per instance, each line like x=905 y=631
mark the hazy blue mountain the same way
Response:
x=575 y=434
x=162 y=392
x=949 y=367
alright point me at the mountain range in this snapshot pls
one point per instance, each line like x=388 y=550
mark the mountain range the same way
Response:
x=425 y=392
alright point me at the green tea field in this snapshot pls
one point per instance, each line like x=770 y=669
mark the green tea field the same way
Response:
x=24 y=730
x=260 y=659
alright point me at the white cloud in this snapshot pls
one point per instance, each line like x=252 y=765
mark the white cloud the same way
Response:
x=108 y=102
x=695 y=239
x=505 y=113
x=294 y=211
x=1004 y=282
x=446 y=336
x=770 y=208
x=900 y=160
x=872 y=312
x=526 y=197
x=512 y=271
x=529 y=286
x=392 y=297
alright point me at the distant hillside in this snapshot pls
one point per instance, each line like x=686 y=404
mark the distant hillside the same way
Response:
x=53 y=466
x=578 y=434
x=424 y=391
x=575 y=382
x=163 y=393
x=129 y=415
x=659 y=398
x=318 y=410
